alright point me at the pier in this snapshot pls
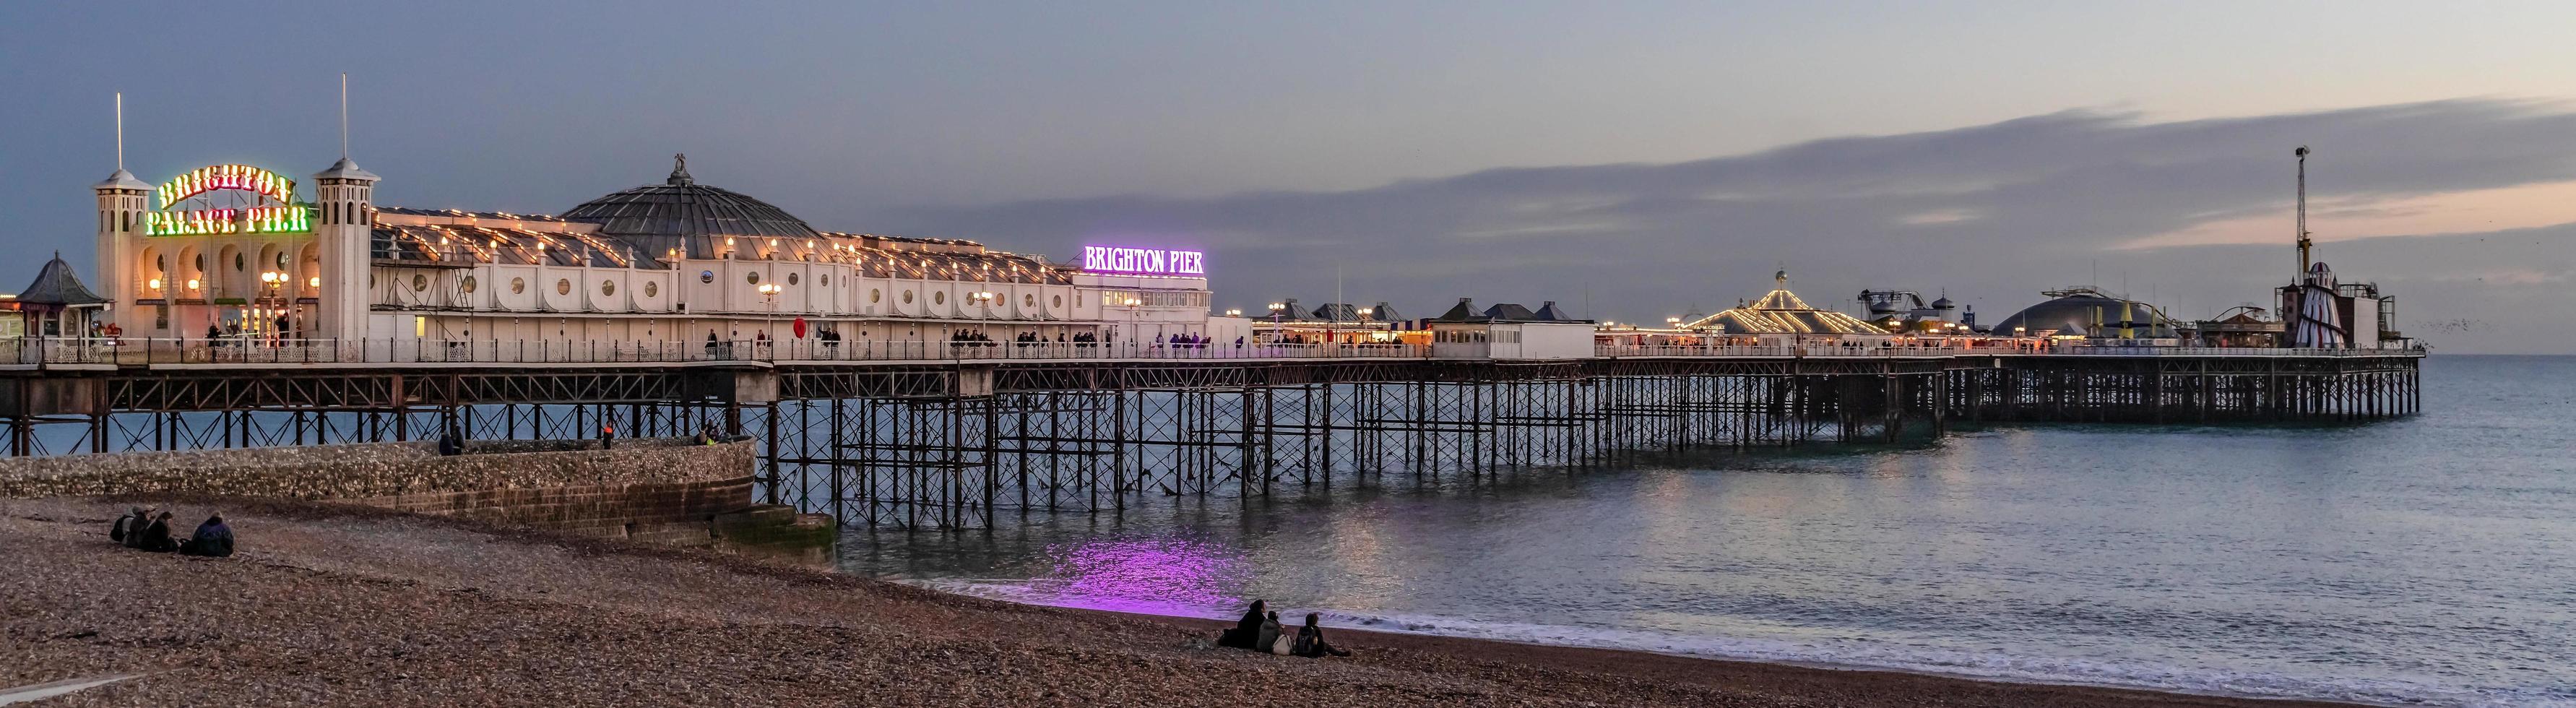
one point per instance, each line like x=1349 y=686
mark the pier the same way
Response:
x=945 y=436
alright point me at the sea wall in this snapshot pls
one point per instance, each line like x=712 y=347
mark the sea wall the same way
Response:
x=665 y=491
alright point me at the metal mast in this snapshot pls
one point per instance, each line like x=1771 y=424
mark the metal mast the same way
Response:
x=2302 y=154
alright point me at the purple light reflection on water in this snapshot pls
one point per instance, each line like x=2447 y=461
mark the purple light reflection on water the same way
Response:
x=1155 y=576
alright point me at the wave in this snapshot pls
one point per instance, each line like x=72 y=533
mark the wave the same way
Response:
x=1840 y=654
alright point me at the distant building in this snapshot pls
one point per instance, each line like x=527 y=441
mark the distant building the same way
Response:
x=1509 y=331
x=1782 y=316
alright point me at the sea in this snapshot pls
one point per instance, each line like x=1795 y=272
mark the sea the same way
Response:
x=2423 y=561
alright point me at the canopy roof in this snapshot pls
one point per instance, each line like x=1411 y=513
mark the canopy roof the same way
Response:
x=1783 y=312
x=56 y=285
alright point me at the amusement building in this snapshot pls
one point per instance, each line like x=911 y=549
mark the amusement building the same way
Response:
x=240 y=251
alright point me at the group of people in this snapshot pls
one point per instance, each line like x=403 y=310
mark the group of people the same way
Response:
x=1187 y=340
x=1259 y=631
x=148 y=528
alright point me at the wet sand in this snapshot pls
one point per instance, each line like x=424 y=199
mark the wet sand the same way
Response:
x=340 y=606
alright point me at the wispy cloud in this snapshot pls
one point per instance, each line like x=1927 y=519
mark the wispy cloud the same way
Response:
x=2195 y=212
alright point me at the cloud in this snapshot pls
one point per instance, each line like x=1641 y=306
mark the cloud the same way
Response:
x=2195 y=213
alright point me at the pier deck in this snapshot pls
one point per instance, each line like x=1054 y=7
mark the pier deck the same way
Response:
x=949 y=435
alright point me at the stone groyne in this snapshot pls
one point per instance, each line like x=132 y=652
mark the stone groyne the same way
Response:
x=657 y=490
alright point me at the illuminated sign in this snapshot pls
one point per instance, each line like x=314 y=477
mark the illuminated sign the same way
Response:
x=1143 y=261
x=289 y=219
x=242 y=177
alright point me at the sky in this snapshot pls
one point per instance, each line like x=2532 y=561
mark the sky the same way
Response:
x=1631 y=161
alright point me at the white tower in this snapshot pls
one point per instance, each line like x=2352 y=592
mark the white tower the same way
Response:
x=121 y=223
x=343 y=235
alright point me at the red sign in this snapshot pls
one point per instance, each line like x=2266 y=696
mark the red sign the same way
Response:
x=800 y=328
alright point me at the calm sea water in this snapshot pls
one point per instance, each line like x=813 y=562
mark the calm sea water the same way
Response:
x=2429 y=560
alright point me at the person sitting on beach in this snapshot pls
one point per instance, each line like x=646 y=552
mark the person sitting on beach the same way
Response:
x=213 y=539
x=156 y=537
x=129 y=525
x=1269 y=633
x=1310 y=642
x=1245 y=630
x=134 y=529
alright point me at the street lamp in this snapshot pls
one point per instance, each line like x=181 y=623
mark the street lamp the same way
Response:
x=270 y=281
x=769 y=293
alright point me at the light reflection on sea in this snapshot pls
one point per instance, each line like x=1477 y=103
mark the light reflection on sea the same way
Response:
x=2427 y=560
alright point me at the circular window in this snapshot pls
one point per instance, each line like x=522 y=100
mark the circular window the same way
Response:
x=563 y=287
x=467 y=284
x=518 y=285
x=875 y=295
x=281 y=259
x=907 y=297
x=824 y=279
x=751 y=277
x=652 y=289
x=161 y=263
x=239 y=262
x=939 y=297
x=201 y=263
x=607 y=287
x=1028 y=301
x=419 y=283
x=791 y=279
x=706 y=276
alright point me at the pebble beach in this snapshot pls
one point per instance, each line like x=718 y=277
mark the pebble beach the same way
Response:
x=333 y=605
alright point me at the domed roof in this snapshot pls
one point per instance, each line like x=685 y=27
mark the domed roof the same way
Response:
x=2081 y=311
x=680 y=213
x=1943 y=304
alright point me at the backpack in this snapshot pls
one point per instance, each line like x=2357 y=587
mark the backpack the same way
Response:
x=117 y=533
x=1282 y=646
x=1305 y=644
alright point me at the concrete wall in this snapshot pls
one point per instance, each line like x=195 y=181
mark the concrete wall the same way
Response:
x=663 y=491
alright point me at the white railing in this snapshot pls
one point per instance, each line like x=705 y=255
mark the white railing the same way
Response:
x=262 y=350
x=2231 y=351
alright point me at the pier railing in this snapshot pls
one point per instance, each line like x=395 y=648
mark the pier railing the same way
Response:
x=257 y=350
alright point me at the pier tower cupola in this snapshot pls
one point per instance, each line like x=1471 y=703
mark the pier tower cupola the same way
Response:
x=122 y=204
x=344 y=235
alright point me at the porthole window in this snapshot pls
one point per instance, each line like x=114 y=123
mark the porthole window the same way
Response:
x=1057 y=301
x=466 y=285
x=1028 y=301
x=875 y=295
x=823 y=280
x=652 y=289
x=706 y=276
x=907 y=297
x=201 y=263
x=281 y=260
x=752 y=277
x=240 y=262
x=607 y=287
x=420 y=283
x=939 y=297
x=161 y=263
x=563 y=287
x=518 y=285
x=791 y=279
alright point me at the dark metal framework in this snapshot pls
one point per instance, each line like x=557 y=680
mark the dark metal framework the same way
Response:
x=932 y=446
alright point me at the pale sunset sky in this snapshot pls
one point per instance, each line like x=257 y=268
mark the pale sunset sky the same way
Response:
x=1629 y=160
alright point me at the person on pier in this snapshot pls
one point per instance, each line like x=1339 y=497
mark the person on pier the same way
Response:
x=1245 y=630
x=212 y=540
x=1310 y=642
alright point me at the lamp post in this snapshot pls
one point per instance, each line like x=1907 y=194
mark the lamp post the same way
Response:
x=270 y=281
x=1131 y=301
x=768 y=294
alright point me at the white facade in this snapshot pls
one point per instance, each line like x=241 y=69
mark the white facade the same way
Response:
x=360 y=272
